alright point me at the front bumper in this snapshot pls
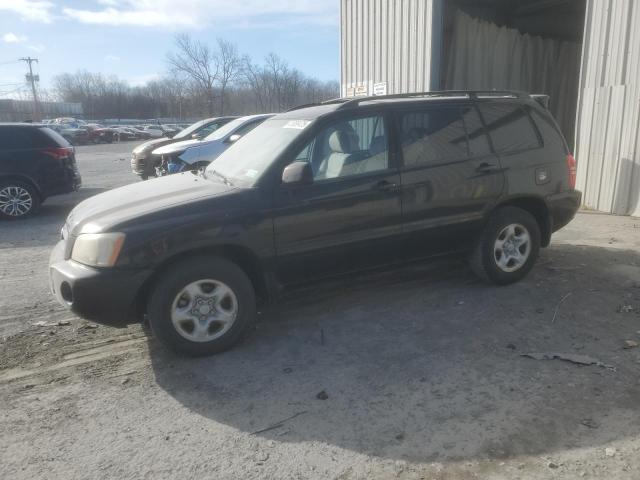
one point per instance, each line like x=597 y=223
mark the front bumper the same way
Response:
x=103 y=295
x=143 y=165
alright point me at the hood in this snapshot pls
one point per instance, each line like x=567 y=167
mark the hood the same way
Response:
x=99 y=213
x=152 y=144
x=175 y=147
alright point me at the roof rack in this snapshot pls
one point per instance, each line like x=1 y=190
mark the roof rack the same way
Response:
x=475 y=94
x=351 y=102
x=326 y=102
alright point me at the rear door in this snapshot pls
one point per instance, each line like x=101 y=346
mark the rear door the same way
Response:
x=450 y=176
x=350 y=218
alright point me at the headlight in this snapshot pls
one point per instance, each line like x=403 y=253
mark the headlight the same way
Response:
x=97 y=249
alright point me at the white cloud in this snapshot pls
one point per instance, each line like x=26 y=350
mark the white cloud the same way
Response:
x=38 y=48
x=200 y=13
x=112 y=58
x=141 y=80
x=13 y=38
x=31 y=10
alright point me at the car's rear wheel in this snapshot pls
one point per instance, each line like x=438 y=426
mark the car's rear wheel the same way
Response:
x=508 y=247
x=202 y=306
x=17 y=200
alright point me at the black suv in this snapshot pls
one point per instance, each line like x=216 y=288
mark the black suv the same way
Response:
x=35 y=163
x=319 y=191
x=144 y=163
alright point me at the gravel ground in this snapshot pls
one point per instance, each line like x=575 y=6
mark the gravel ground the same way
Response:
x=422 y=371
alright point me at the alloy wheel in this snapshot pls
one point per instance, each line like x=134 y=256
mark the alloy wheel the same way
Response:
x=204 y=310
x=512 y=247
x=15 y=201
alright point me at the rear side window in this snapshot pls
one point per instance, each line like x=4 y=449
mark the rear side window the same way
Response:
x=19 y=138
x=433 y=136
x=553 y=139
x=510 y=127
x=52 y=138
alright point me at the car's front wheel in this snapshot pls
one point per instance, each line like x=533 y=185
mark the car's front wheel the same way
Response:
x=508 y=247
x=17 y=200
x=202 y=306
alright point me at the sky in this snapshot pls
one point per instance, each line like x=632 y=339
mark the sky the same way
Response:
x=131 y=38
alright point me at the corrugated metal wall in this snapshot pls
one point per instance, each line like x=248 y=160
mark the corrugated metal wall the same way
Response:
x=608 y=140
x=385 y=41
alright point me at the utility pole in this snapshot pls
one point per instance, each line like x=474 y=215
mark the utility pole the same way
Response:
x=31 y=78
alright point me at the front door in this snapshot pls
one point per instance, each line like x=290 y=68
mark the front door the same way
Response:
x=350 y=216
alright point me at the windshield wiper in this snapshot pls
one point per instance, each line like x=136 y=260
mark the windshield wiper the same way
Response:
x=224 y=179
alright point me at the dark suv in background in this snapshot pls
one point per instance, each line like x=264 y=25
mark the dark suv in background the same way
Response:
x=144 y=164
x=320 y=191
x=35 y=163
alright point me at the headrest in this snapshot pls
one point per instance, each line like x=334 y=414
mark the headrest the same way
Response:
x=343 y=141
x=378 y=145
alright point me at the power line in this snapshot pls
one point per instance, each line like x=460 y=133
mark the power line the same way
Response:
x=9 y=92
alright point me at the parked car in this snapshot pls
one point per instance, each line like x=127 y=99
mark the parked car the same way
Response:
x=140 y=134
x=197 y=154
x=35 y=163
x=123 y=133
x=316 y=192
x=74 y=135
x=154 y=131
x=144 y=164
x=100 y=134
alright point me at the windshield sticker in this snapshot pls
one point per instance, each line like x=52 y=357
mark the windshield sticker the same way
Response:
x=251 y=173
x=297 y=124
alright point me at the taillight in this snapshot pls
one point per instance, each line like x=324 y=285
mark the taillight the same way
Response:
x=59 y=153
x=571 y=168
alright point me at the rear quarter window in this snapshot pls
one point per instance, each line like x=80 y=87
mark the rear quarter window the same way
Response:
x=510 y=127
x=51 y=138
x=19 y=138
x=553 y=140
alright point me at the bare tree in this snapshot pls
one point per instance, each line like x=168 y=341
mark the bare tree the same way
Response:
x=229 y=66
x=197 y=79
x=197 y=61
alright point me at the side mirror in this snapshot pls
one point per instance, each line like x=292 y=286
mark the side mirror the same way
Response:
x=297 y=173
x=234 y=138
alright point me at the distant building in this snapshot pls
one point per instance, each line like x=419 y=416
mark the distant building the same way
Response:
x=22 y=110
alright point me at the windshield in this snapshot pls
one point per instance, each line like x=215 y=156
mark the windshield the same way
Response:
x=225 y=129
x=245 y=161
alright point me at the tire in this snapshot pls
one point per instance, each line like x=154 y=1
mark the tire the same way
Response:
x=195 y=282
x=504 y=262
x=26 y=193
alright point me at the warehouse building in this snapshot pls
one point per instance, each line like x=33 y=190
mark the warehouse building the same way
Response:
x=585 y=54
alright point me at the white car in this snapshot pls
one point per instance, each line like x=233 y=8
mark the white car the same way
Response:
x=155 y=131
x=197 y=154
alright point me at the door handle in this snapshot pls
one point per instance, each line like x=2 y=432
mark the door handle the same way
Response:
x=486 y=167
x=385 y=186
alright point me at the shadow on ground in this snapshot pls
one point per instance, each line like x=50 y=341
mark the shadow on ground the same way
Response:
x=425 y=364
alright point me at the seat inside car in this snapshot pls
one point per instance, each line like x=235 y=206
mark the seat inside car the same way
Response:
x=343 y=144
